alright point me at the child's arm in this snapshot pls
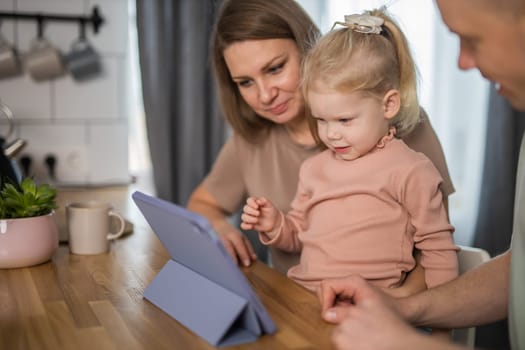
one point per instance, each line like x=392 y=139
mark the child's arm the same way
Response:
x=274 y=227
x=261 y=215
x=433 y=236
x=433 y=233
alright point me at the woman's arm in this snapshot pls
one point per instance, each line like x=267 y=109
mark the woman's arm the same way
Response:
x=239 y=247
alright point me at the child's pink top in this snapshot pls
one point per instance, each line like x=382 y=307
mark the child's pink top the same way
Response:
x=365 y=216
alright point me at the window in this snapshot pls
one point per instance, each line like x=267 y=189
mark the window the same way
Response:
x=139 y=157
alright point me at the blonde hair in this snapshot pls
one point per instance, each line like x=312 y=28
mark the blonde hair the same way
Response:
x=241 y=20
x=348 y=61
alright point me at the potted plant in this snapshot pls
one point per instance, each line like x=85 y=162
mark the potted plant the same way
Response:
x=28 y=230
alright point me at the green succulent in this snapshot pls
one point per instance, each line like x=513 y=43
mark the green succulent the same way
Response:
x=26 y=200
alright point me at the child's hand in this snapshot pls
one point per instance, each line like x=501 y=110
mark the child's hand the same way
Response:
x=259 y=214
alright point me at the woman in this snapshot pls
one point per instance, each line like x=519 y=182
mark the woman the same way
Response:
x=257 y=49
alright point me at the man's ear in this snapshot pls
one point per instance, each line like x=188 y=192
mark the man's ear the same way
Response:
x=391 y=103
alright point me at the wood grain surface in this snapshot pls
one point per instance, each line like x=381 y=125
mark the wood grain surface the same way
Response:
x=95 y=302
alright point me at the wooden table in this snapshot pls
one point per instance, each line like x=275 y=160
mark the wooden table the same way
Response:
x=95 y=302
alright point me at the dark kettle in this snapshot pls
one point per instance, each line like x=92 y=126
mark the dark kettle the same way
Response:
x=8 y=168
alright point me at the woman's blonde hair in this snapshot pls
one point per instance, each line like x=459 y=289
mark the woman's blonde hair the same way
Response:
x=241 y=20
x=346 y=60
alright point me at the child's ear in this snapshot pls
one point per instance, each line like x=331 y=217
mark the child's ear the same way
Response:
x=391 y=103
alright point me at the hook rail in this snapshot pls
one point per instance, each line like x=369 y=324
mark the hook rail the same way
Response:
x=96 y=19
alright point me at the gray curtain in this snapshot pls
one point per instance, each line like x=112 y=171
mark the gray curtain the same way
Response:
x=505 y=128
x=184 y=126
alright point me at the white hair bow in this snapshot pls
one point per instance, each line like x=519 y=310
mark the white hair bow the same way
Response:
x=362 y=23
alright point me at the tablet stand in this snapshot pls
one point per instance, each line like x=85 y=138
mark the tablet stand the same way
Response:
x=201 y=286
x=218 y=315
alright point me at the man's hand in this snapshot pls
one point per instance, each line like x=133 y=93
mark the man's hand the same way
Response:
x=368 y=318
x=339 y=296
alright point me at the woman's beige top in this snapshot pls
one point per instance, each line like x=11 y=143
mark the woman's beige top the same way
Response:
x=271 y=168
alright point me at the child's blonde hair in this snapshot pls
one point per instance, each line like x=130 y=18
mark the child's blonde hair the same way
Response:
x=346 y=60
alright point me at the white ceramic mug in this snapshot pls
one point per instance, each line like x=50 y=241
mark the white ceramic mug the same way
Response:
x=89 y=226
x=9 y=61
x=43 y=61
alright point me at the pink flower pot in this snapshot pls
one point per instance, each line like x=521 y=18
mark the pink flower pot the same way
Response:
x=27 y=241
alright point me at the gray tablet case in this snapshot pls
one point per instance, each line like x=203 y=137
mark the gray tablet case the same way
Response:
x=201 y=286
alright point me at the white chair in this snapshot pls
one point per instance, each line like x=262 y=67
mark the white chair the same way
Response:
x=468 y=258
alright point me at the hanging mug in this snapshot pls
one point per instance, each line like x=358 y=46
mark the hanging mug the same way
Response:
x=83 y=61
x=44 y=61
x=9 y=62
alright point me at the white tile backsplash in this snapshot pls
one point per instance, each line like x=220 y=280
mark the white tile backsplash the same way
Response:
x=113 y=35
x=7 y=28
x=27 y=99
x=69 y=147
x=83 y=123
x=40 y=135
x=106 y=143
x=7 y=5
x=97 y=98
x=60 y=34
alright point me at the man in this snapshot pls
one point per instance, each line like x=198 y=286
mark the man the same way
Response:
x=492 y=39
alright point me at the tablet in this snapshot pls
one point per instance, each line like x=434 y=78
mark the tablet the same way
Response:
x=194 y=246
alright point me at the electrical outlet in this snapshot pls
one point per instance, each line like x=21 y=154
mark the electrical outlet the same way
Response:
x=70 y=164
